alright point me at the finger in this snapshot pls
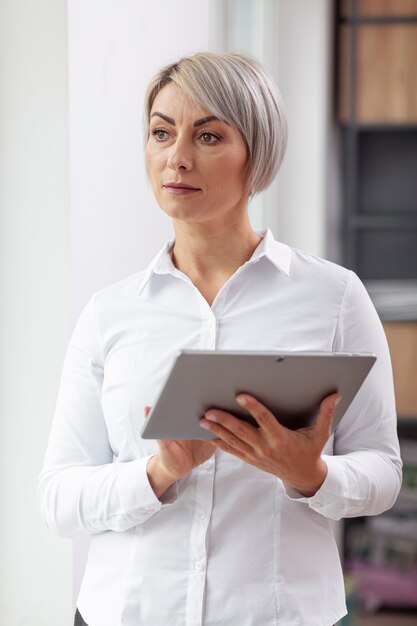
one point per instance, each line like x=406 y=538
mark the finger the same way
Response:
x=147 y=410
x=263 y=416
x=225 y=447
x=232 y=438
x=324 y=419
x=241 y=429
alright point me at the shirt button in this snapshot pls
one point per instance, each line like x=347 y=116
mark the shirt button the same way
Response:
x=203 y=515
x=208 y=465
x=199 y=566
x=209 y=323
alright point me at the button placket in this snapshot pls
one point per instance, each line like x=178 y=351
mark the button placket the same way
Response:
x=208 y=333
x=198 y=551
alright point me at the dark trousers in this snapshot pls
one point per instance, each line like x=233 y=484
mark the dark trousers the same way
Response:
x=78 y=620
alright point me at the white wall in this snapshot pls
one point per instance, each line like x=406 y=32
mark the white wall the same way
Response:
x=35 y=566
x=294 y=40
x=114 y=50
x=304 y=38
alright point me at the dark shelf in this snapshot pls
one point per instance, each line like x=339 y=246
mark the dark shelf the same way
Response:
x=378 y=126
x=379 y=237
x=381 y=20
x=407 y=427
x=397 y=221
x=387 y=254
x=380 y=201
x=387 y=168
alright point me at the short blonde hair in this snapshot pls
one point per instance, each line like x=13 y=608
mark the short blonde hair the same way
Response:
x=239 y=91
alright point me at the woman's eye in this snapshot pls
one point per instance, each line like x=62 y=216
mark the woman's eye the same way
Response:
x=209 y=138
x=159 y=134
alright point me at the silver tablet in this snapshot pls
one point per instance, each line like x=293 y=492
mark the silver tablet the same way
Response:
x=291 y=384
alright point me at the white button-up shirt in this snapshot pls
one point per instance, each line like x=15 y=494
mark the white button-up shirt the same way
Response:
x=228 y=544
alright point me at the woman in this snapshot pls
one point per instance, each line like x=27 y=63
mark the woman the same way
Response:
x=237 y=530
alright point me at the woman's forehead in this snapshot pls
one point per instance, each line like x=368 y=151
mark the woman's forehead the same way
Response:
x=172 y=101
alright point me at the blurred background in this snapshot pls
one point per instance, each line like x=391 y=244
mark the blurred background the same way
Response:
x=76 y=213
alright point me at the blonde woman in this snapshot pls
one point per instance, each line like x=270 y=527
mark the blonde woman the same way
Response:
x=235 y=531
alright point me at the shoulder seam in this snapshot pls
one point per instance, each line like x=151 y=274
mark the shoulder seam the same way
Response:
x=350 y=275
x=93 y=302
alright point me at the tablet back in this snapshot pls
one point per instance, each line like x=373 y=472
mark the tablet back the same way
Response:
x=292 y=385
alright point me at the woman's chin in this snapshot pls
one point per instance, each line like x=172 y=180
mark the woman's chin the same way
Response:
x=183 y=214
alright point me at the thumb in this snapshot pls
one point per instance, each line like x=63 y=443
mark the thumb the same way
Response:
x=325 y=417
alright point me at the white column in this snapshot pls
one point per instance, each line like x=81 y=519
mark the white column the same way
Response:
x=35 y=565
x=304 y=46
x=293 y=40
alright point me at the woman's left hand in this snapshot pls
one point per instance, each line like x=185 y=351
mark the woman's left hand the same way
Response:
x=292 y=455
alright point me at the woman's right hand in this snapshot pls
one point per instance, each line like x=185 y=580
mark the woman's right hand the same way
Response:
x=175 y=460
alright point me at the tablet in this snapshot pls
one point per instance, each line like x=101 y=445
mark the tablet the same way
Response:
x=291 y=384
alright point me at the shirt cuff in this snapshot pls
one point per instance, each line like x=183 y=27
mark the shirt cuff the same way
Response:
x=329 y=500
x=136 y=494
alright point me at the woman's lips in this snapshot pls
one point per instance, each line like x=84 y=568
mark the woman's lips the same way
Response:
x=180 y=189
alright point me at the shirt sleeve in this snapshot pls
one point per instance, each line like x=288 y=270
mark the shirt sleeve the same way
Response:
x=80 y=487
x=364 y=473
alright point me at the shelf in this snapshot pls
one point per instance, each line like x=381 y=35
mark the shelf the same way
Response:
x=377 y=9
x=407 y=427
x=387 y=162
x=387 y=221
x=377 y=78
x=380 y=204
x=381 y=20
x=377 y=127
x=377 y=114
x=386 y=254
x=394 y=300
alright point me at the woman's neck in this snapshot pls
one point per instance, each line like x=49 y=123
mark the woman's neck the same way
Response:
x=209 y=255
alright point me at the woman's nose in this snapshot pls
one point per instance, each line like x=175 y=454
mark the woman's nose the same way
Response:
x=180 y=155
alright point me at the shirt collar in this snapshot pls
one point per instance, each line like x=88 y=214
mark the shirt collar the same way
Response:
x=278 y=253
x=160 y=264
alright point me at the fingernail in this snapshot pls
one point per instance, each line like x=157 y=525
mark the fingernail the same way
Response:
x=204 y=424
x=211 y=416
x=241 y=400
x=336 y=402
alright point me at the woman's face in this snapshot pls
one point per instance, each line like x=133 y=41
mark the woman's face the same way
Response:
x=196 y=163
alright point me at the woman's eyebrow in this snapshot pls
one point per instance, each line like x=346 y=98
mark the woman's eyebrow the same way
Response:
x=199 y=122
x=170 y=120
x=204 y=120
